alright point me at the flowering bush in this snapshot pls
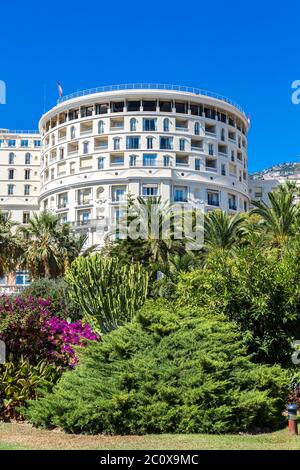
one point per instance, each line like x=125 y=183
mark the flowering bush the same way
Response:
x=30 y=331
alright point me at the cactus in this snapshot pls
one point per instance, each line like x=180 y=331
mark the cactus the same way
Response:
x=108 y=293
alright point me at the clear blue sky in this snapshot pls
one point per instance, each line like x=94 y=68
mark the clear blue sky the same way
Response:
x=248 y=51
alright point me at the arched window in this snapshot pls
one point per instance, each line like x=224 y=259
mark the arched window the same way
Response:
x=100 y=127
x=86 y=147
x=11 y=158
x=27 y=158
x=166 y=125
x=197 y=128
x=133 y=125
x=73 y=132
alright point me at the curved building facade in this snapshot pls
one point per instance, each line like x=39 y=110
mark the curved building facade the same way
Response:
x=183 y=144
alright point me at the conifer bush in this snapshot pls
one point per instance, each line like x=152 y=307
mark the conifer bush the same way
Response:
x=173 y=369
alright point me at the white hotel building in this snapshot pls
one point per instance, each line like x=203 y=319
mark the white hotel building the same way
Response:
x=184 y=144
x=19 y=173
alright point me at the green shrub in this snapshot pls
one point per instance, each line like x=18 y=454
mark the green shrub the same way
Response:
x=57 y=292
x=108 y=292
x=259 y=290
x=19 y=382
x=175 y=370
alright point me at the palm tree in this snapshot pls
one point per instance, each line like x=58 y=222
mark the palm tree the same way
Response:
x=222 y=231
x=9 y=244
x=147 y=229
x=281 y=219
x=48 y=245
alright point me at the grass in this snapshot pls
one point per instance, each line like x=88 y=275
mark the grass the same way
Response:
x=23 y=436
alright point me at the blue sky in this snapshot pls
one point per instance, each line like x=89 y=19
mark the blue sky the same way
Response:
x=248 y=51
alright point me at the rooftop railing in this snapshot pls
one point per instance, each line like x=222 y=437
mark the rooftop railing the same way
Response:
x=152 y=86
x=16 y=131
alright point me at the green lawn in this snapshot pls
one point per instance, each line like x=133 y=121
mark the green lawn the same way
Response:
x=23 y=436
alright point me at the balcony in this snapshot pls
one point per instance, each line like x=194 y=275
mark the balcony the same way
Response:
x=84 y=202
x=62 y=204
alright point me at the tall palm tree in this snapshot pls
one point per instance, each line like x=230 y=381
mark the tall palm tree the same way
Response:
x=222 y=231
x=9 y=244
x=48 y=245
x=281 y=219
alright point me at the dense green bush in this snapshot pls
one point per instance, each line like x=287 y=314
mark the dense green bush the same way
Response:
x=57 y=291
x=108 y=292
x=259 y=290
x=170 y=370
x=19 y=382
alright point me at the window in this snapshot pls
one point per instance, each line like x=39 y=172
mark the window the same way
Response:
x=149 y=105
x=73 y=132
x=61 y=153
x=86 y=147
x=117 y=160
x=84 y=196
x=149 y=190
x=118 y=193
x=223 y=169
x=11 y=158
x=149 y=142
x=180 y=194
x=100 y=163
x=149 y=125
x=101 y=108
x=165 y=106
x=84 y=217
x=62 y=200
x=27 y=158
x=24 y=143
x=26 y=189
x=211 y=165
x=182 y=145
x=166 y=125
x=197 y=128
x=22 y=278
x=133 y=106
x=53 y=139
x=100 y=127
x=27 y=174
x=210 y=149
x=11 y=174
x=245 y=206
x=223 y=134
x=166 y=143
x=213 y=198
x=26 y=217
x=132 y=160
x=149 y=159
x=52 y=174
x=232 y=202
x=166 y=160
x=10 y=189
x=197 y=164
x=133 y=125
x=133 y=143
x=117 y=141
x=11 y=143
x=37 y=143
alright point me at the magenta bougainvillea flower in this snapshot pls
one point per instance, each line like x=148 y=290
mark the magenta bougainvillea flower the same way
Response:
x=29 y=330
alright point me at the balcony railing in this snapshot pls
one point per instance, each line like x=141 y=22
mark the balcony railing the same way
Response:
x=152 y=86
